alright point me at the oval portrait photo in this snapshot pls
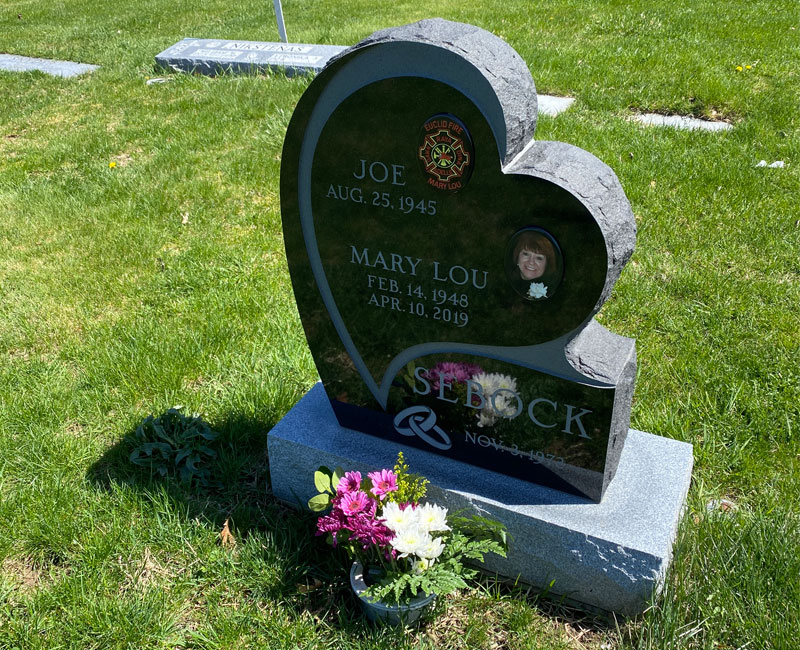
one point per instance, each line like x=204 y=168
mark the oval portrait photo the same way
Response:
x=534 y=264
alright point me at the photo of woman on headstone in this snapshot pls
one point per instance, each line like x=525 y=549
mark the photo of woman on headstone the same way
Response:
x=534 y=265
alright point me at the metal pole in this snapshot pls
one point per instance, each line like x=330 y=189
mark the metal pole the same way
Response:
x=279 y=17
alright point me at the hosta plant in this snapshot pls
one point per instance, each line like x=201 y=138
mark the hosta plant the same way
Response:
x=174 y=444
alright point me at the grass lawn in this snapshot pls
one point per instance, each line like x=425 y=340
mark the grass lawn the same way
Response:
x=161 y=280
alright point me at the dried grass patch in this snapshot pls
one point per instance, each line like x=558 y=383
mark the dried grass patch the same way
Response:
x=518 y=622
x=25 y=575
x=149 y=569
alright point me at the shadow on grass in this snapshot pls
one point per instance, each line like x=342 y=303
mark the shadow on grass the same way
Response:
x=299 y=569
x=280 y=557
x=239 y=486
x=237 y=492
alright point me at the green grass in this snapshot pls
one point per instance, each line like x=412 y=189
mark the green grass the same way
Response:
x=162 y=281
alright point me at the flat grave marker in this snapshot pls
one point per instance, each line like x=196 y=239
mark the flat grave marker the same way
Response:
x=214 y=56
x=552 y=105
x=66 y=69
x=211 y=56
x=681 y=122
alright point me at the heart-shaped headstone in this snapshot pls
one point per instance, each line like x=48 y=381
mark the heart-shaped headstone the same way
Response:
x=447 y=268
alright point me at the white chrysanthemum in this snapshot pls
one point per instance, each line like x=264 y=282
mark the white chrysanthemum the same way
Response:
x=502 y=404
x=537 y=290
x=431 y=550
x=493 y=381
x=410 y=540
x=419 y=566
x=397 y=519
x=432 y=518
x=486 y=418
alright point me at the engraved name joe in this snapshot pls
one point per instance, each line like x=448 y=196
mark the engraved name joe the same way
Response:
x=376 y=172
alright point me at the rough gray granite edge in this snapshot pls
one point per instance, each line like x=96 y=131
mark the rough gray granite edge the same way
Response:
x=496 y=60
x=597 y=186
x=610 y=555
x=598 y=352
x=621 y=415
x=601 y=354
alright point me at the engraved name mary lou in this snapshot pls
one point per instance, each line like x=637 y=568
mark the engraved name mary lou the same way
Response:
x=410 y=285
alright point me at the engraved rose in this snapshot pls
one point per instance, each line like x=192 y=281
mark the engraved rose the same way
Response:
x=537 y=290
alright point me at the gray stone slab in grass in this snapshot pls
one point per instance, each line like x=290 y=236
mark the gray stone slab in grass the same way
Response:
x=17 y=63
x=552 y=105
x=610 y=555
x=681 y=122
x=211 y=56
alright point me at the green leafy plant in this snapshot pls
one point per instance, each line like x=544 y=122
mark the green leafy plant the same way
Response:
x=175 y=444
x=449 y=572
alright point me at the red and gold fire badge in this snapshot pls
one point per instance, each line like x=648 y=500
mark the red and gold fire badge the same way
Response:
x=446 y=152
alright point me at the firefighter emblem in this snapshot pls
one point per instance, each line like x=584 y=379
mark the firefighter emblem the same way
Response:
x=446 y=152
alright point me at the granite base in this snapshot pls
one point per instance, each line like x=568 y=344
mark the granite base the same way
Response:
x=610 y=555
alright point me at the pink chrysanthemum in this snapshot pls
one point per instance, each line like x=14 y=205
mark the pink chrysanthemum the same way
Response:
x=369 y=531
x=383 y=482
x=331 y=523
x=370 y=509
x=350 y=482
x=452 y=373
x=354 y=502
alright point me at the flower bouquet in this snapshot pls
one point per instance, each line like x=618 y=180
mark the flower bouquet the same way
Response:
x=407 y=547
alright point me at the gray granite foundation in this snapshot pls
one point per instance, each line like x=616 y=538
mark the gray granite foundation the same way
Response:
x=611 y=555
x=16 y=63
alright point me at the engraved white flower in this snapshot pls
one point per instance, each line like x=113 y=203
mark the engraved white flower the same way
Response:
x=537 y=290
